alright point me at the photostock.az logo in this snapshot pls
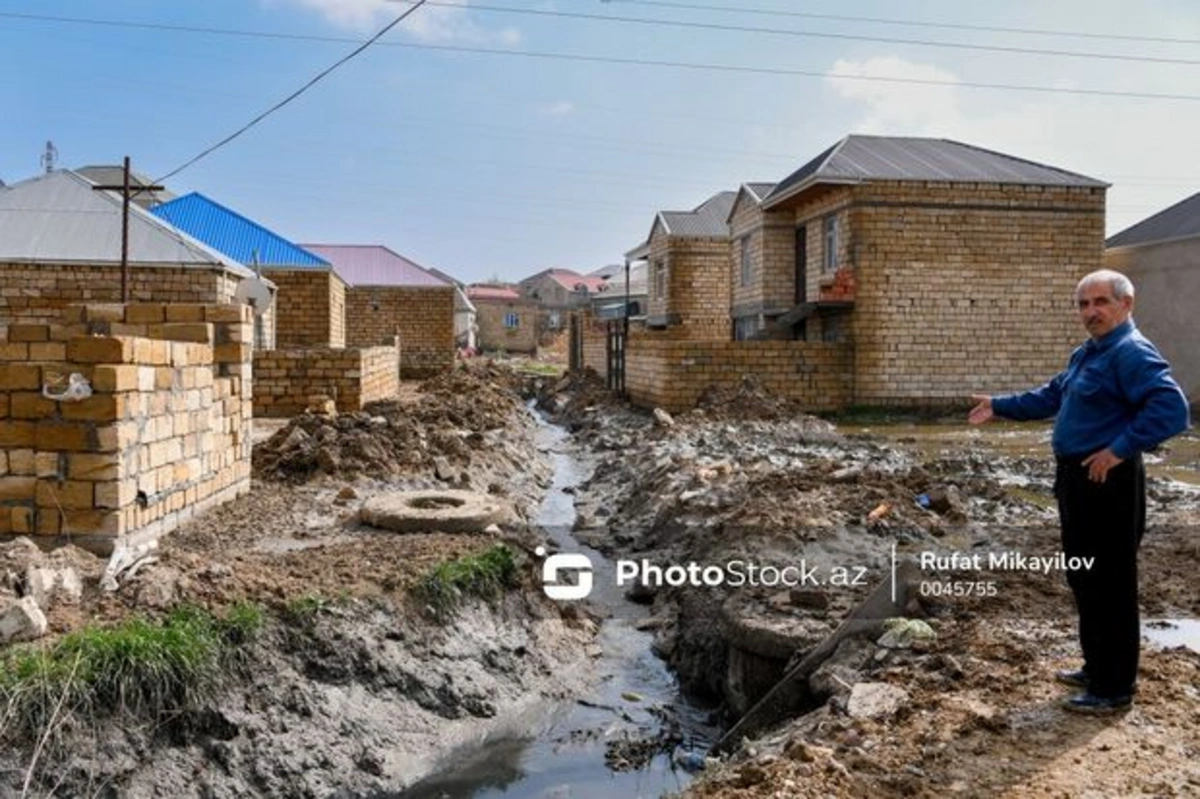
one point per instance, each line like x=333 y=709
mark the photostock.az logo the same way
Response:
x=555 y=567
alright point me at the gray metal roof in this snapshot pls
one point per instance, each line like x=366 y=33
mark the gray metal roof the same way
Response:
x=863 y=158
x=614 y=287
x=759 y=190
x=59 y=218
x=114 y=174
x=1180 y=221
x=710 y=218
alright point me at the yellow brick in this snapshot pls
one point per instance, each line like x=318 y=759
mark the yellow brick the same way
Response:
x=16 y=434
x=185 y=313
x=27 y=405
x=20 y=332
x=48 y=351
x=100 y=349
x=46 y=464
x=22 y=521
x=71 y=494
x=62 y=436
x=20 y=377
x=144 y=314
x=17 y=488
x=85 y=466
x=91 y=521
x=188 y=331
x=115 y=494
x=107 y=379
x=98 y=407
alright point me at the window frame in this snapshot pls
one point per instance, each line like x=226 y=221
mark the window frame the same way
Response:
x=747 y=266
x=515 y=319
x=829 y=237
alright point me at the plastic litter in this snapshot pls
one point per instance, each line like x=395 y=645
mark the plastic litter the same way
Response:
x=78 y=388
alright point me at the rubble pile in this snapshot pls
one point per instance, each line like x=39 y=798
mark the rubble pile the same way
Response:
x=456 y=421
x=748 y=400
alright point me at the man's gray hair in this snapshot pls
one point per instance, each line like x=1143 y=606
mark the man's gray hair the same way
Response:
x=1121 y=286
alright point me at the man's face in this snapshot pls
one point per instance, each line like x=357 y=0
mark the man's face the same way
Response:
x=1100 y=311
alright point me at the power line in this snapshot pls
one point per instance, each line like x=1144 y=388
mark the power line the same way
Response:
x=312 y=82
x=713 y=26
x=908 y=23
x=644 y=62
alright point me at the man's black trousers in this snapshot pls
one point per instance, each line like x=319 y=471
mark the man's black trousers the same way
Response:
x=1105 y=521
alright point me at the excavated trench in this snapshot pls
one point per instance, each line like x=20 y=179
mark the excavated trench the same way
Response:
x=634 y=734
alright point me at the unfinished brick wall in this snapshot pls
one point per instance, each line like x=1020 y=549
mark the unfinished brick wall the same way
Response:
x=165 y=435
x=310 y=308
x=674 y=374
x=966 y=289
x=495 y=337
x=422 y=316
x=39 y=292
x=286 y=380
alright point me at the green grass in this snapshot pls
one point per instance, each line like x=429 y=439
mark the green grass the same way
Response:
x=484 y=576
x=139 y=667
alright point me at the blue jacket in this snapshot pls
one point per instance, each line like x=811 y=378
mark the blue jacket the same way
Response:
x=1116 y=392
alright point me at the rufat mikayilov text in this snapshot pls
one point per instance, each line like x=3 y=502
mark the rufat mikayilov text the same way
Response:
x=1006 y=560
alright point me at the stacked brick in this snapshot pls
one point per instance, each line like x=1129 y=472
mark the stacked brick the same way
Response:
x=771 y=238
x=287 y=381
x=310 y=308
x=39 y=292
x=164 y=435
x=422 y=316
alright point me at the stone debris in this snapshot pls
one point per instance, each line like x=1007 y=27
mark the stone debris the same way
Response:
x=435 y=511
x=874 y=700
x=21 y=619
x=906 y=634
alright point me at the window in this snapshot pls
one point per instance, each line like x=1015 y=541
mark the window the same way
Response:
x=831 y=244
x=553 y=320
x=746 y=265
x=512 y=320
x=745 y=328
x=660 y=279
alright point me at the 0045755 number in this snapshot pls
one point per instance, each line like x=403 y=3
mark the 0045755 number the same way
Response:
x=956 y=588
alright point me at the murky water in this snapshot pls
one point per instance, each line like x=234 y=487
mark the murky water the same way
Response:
x=564 y=757
x=1172 y=633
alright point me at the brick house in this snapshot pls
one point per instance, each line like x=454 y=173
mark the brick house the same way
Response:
x=885 y=271
x=950 y=268
x=388 y=296
x=310 y=302
x=465 y=326
x=60 y=244
x=507 y=321
x=687 y=254
x=1161 y=255
x=558 y=292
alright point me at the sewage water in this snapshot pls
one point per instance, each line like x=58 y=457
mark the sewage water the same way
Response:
x=1171 y=633
x=563 y=757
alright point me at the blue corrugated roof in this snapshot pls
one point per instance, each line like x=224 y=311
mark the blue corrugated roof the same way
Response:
x=234 y=235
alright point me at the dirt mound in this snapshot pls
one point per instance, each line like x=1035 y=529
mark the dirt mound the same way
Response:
x=748 y=400
x=443 y=430
x=569 y=396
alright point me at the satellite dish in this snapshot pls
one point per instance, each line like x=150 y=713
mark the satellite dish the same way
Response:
x=255 y=293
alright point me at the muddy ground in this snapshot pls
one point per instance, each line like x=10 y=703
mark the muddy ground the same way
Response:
x=354 y=687
x=972 y=712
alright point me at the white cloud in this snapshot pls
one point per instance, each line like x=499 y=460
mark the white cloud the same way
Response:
x=440 y=23
x=1137 y=145
x=559 y=109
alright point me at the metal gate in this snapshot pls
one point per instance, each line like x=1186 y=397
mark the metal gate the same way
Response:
x=614 y=354
x=575 y=344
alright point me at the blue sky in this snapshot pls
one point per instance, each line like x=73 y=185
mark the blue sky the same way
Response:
x=486 y=165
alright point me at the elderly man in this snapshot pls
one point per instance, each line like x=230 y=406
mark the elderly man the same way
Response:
x=1115 y=400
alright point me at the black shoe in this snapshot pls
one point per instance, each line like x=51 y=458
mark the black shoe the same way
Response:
x=1088 y=702
x=1075 y=679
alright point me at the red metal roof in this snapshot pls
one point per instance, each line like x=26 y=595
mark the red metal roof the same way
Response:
x=374 y=265
x=492 y=293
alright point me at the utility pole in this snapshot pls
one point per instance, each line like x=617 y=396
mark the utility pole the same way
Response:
x=126 y=196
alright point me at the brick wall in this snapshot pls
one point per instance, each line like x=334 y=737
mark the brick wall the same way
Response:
x=422 y=316
x=494 y=336
x=165 y=435
x=285 y=381
x=966 y=288
x=39 y=293
x=697 y=303
x=772 y=241
x=310 y=308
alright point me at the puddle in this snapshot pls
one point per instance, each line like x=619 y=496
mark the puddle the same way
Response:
x=1172 y=633
x=564 y=757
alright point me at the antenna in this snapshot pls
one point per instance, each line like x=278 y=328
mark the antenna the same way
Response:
x=49 y=157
